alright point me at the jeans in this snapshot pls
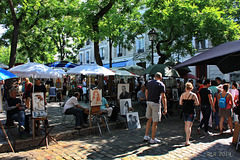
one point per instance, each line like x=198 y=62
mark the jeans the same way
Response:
x=217 y=118
x=79 y=114
x=20 y=118
x=206 y=111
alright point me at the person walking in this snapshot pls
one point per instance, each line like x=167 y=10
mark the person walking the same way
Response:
x=235 y=95
x=206 y=103
x=155 y=93
x=187 y=100
x=226 y=112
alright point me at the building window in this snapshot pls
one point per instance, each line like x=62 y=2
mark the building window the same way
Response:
x=87 y=57
x=88 y=42
x=119 y=51
x=200 y=44
x=101 y=51
x=81 y=59
x=140 y=45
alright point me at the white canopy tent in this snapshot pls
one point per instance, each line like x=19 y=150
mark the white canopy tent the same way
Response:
x=91 y=70
x=35 y=70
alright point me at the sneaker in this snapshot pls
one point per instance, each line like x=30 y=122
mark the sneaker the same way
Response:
x=146 y=138
x=22 y=128
x=154 y=141
x=78 y=127
x=199 y=130
x=207 y=133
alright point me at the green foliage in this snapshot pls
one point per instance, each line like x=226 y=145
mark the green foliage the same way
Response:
x=177 y=21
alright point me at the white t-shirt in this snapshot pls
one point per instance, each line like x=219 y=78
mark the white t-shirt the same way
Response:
x=234 y=93
x=72 y=102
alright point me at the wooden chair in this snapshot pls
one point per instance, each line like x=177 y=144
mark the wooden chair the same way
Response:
x=97 y=115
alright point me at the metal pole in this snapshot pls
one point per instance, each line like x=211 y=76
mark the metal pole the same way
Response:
x=152 y=52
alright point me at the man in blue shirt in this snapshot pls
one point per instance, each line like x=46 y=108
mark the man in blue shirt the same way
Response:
x=155 y=93
x=105 y=107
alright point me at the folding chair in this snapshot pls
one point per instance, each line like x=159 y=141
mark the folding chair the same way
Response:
x=52 y=93
x=64 y=116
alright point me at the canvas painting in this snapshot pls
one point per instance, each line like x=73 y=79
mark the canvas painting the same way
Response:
x=96 y=97
x=123 y=91
x=38 y=101
x=125 y=106
x=133 y=120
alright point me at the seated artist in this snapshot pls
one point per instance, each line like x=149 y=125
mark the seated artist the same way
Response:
x=72 y=107
x=15 y=110
x=105 y=107
x=141 y=96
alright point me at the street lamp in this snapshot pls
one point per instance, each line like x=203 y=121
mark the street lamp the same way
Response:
x=152 y=35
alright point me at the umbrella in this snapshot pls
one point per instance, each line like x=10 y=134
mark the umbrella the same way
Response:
x=133 y=69
x=4 y=74
x=60 y=71
x=91 y=70
x=189 y=76
x=62 y=64
x=182 y=70
x=34 y=70
x=226 y=56
x=167 y=71
x=119 y=72
x=3 y=65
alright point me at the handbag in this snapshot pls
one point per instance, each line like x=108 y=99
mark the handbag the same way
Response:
x=236 y=110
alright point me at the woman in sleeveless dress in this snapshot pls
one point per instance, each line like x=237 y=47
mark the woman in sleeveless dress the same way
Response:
x=187 y=100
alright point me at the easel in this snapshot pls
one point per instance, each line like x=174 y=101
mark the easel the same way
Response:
x=6 y=137
x=45 y=130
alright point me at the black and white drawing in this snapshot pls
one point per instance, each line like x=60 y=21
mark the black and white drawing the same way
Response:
x=123 y=91
x=133 y=120
x=125 y=106
x=175 y=94
x=38 y=101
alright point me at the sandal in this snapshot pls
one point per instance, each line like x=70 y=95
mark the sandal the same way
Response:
x=221 y=132
x=187 y=144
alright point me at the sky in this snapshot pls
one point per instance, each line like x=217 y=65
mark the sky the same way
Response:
x=2 y=30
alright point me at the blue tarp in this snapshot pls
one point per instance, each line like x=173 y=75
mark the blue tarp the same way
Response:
x=117 y=64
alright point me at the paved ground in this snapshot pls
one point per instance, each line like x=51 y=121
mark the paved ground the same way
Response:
x=128 y=144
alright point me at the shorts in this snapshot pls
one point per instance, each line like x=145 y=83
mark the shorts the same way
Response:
x=188 y=117
x=153 y=111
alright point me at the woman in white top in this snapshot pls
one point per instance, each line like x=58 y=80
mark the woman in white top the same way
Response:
x=187 y=100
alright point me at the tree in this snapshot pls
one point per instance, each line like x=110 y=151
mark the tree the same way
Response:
x=17 y=15
x=114 y=20
x=179 y=21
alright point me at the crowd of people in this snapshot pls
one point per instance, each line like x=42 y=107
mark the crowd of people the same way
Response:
x=207 y=100
x=212 y=100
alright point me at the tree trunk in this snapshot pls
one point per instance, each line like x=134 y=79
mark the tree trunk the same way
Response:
x=14 y=45
x=162 y=57
x=110 y=53
x=96 y=53
x=96 y=43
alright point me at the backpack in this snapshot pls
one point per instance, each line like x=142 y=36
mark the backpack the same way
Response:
x=222 y=101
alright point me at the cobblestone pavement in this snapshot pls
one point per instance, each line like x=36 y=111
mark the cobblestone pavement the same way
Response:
x=128 y=144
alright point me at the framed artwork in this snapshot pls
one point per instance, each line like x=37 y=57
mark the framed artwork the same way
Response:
x=125 y=104
x=38 y=101
x=133 y=120
x=123 y=91
x=96 y=97
x=175 y=94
